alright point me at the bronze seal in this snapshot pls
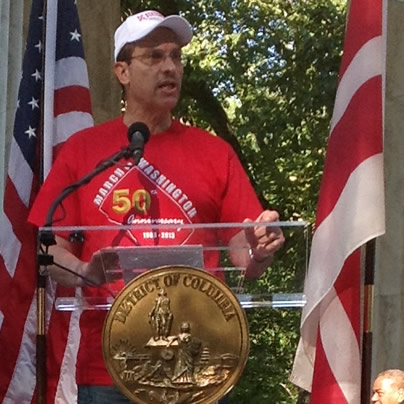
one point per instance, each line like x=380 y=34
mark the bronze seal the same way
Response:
x=175 y=335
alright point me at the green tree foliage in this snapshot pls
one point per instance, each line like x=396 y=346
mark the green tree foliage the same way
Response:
x=262 y=74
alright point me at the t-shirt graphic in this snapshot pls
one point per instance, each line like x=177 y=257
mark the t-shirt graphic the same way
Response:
x=144 y=197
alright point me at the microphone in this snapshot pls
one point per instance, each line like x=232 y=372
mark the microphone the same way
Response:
x=138 y=135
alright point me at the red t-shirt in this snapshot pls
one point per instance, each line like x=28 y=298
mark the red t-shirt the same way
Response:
x=186 y=176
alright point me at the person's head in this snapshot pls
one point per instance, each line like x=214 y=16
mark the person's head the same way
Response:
x=148 y=59
x=388 y=388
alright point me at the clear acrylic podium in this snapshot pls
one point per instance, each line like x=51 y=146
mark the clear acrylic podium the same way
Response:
x=150 y=245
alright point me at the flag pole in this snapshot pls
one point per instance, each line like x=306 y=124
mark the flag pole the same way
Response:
x=41 y=376
x=41 y=373
x=367 y=337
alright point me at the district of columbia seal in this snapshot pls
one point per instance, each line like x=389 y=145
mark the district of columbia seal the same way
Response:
x=175 y=335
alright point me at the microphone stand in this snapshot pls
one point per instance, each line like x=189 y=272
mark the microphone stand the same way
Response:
x=47 y=238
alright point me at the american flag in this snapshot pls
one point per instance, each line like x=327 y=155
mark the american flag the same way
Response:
x=350 y=212
x=66 y=106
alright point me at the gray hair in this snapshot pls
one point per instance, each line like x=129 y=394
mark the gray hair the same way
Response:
x=395 y=375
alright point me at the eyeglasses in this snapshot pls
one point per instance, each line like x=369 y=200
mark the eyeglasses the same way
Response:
x=157 y=56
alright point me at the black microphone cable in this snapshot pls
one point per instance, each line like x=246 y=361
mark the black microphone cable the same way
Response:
x=87 y=281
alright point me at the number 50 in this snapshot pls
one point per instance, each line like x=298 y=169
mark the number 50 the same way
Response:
x=123 y=203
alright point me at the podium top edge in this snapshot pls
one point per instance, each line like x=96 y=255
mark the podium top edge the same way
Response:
x=201 y=226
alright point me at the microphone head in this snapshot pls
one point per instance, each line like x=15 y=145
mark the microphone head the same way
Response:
x=138 y=128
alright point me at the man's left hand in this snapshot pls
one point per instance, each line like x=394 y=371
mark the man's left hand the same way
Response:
x=264 y=240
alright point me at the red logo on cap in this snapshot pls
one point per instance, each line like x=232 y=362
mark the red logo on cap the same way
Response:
x=149 y=15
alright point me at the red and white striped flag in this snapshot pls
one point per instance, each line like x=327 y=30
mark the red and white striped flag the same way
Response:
x=350 y=212
x=67 y=109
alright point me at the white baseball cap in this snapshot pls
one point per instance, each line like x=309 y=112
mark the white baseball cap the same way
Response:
x=139 y=25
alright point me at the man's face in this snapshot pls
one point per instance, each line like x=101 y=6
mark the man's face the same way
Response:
x=154 y=73
x=385 y=392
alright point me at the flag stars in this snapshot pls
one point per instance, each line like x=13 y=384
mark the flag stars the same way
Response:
x=39 y=46
x=75 y=36
x=34 y=103
x=36 y=75
x=30 y=132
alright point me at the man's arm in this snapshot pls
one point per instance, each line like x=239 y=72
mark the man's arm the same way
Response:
x=65 y=254
x=254 y=248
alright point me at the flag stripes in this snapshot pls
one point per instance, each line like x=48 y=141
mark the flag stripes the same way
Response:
x=350 y=212
x=64 y=95
x=70 y=112
x=341 y=160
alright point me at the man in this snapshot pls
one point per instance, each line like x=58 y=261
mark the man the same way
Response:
x=186 y=175
x=161 y=317
x=388 y=387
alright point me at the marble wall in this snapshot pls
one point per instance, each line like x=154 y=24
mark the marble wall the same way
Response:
x=99 y=19
x=388 y=331
x=11 y=45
